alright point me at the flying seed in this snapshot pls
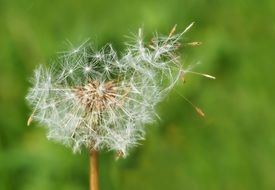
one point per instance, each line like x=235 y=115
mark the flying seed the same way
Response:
x=193 y=44
x=30 y=120
x=200 y=112
x=172 y=31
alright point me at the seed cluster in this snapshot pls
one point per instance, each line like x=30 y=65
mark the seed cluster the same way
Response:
x=96 y=96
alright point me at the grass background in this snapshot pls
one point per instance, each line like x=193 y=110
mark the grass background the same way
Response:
x=232 y=148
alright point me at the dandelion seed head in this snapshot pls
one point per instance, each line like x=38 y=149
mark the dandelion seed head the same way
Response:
x=97 y=99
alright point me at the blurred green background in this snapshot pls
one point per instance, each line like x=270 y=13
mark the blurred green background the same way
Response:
x=232 y=148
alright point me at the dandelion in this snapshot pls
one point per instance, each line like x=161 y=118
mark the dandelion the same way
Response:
x=101 y=101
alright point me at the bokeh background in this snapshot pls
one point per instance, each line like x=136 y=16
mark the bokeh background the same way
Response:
x=233 y=147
